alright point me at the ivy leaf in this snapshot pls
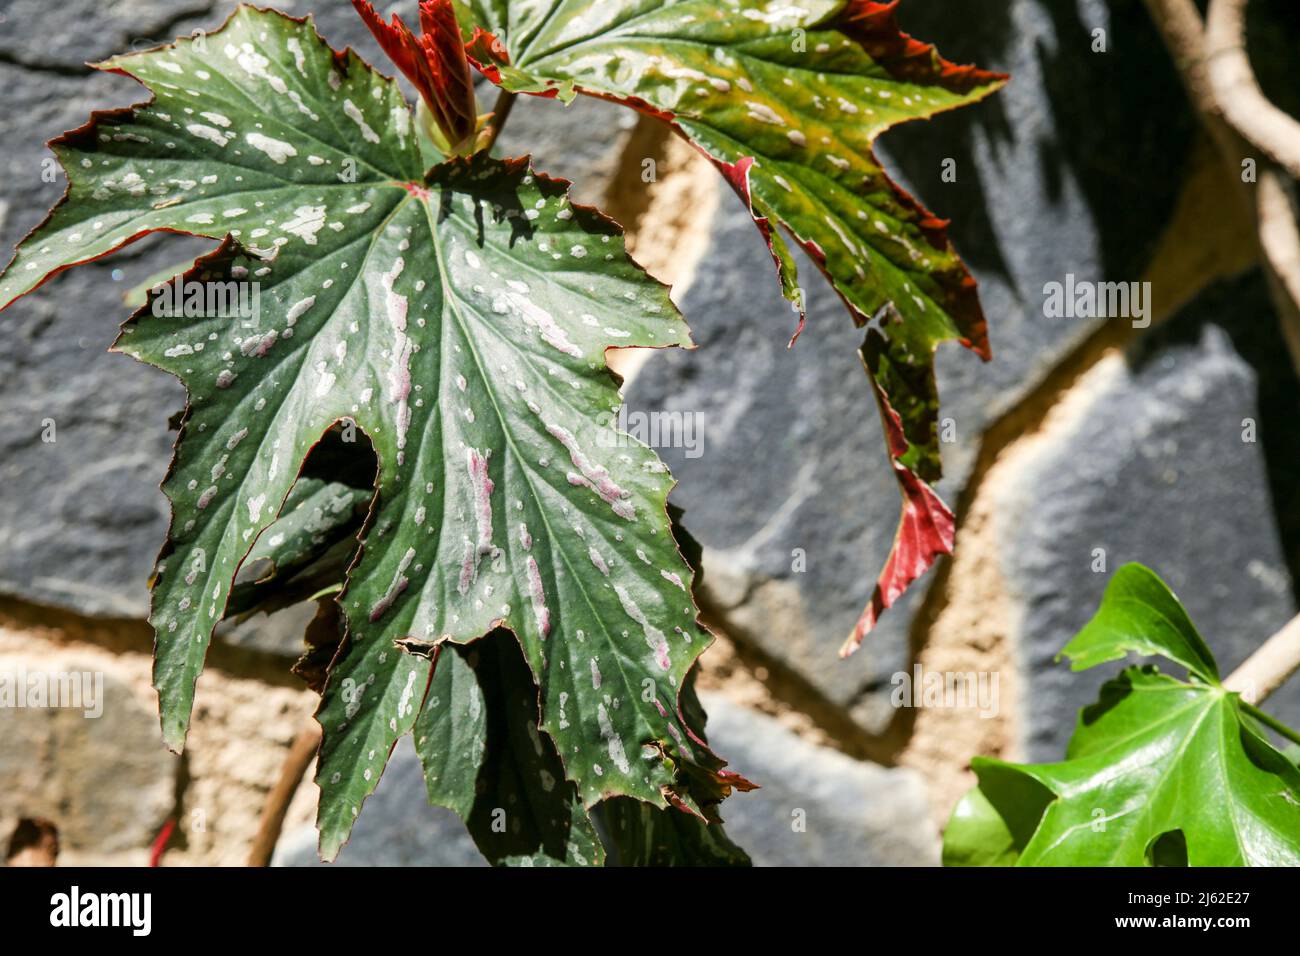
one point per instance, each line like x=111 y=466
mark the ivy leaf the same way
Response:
x=787 y=101
x=459 y=317
x=485 y=758
x=1140 y=615
x=977 y=835
x=1156 y=764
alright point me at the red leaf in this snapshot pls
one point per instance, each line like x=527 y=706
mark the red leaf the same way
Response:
x=875 y=26
x=435 y=62
x=926 y=528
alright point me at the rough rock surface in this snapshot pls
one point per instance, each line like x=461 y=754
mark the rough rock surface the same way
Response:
x=814 y=805
x=106 y=780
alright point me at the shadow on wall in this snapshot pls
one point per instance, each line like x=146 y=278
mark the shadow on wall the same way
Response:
x=1242 y=309
x=1130 y=181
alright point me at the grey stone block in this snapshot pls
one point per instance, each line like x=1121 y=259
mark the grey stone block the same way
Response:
x=88 y=31
x=397 y=827
x=82 y=516
x=816 y=806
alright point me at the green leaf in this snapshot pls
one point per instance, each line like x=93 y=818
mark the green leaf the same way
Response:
x=1156 y=755
x=319 y=519
x=787 y=100
x=647 y=836
x=460 y=318
x=1158 y=770
x=1140 y=615
x=977 y=835
x=485 y=758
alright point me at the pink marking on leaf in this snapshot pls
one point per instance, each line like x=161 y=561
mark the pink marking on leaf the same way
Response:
x=593 y=475
x=537 y=595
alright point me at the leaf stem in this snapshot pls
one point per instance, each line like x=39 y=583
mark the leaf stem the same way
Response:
x=500 y=113
x=1273 y=722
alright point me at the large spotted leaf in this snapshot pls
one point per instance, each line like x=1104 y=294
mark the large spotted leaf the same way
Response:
x=787 y=100
x=458 y=318
x=260 y=132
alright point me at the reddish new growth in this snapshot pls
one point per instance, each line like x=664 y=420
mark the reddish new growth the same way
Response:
x=434 y=61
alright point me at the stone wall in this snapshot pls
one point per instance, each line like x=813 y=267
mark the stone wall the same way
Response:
x=1083 y=445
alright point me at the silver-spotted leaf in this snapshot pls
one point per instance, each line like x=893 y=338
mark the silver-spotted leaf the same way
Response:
x=485 y=757
x=787 y=100
x=458 y=318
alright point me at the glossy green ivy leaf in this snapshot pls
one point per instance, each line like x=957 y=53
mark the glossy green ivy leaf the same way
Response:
x=978 y=835
x=1156 y=765
x=485 y=757
x=459 y=318
x=1140 y=615
x=788 y=100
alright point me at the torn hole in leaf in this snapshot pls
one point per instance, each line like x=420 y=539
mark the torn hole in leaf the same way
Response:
x=1168 y=849
x=314 y=539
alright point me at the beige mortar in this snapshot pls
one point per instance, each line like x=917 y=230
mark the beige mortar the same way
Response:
x=240 y=734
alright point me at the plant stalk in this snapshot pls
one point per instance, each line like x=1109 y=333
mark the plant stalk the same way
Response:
x=1269 y=667
x=299 y=758
x=500 y=113
x=1271 y=722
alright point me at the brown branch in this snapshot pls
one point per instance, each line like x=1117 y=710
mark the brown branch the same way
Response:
x=299 y=758
x=1242 y=103
x=1268 y=200
x=1279 y=240
x=1272 y=209
x=1270 y=666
